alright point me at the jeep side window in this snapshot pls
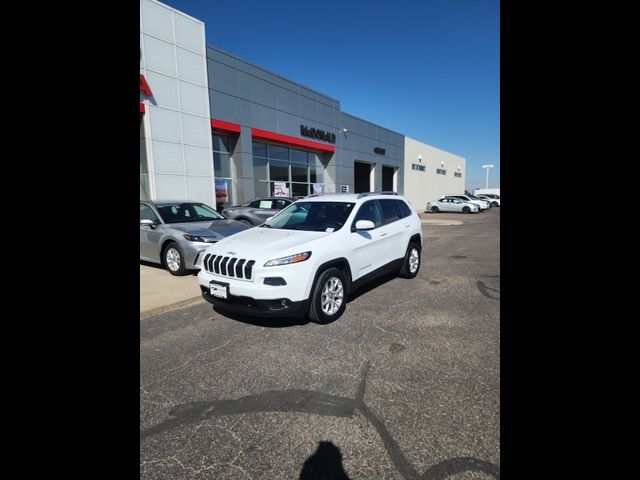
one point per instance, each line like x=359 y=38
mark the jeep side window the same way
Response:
x=405 y=211
x=390 y=211
x=369 y=211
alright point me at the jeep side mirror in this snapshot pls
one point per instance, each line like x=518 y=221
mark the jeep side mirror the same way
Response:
x=365 y=225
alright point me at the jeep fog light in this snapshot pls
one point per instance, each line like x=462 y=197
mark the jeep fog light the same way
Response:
x=297 y=258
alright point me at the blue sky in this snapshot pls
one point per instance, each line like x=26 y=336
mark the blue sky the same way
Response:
x=428 y=69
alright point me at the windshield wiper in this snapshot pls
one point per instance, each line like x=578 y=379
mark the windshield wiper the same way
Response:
x=264 y=225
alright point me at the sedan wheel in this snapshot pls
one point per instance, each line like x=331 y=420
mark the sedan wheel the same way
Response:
x=174 y=260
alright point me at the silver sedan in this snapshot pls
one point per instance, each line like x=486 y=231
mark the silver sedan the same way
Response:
x=175 y=233
x=447 y=204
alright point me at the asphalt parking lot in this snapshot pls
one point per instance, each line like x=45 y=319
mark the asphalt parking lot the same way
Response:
x=406 y=384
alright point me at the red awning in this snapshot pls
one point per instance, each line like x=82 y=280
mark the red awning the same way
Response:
x=266 y=135
x=225 y=126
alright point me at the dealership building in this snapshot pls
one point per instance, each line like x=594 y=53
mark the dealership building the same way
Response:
x=217 y=129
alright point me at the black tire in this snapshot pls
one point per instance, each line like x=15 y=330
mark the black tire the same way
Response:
x=405 y=270
x=435 y=209
x=494 y=204
x=171 y=255
x=316 y=312
x=466 y=209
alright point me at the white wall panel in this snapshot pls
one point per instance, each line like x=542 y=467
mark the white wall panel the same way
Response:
x=159 y=56
x=157 y=20
x=191 y=67
x=168 y=157
x=189 y=33
x=197 y=160
x=194 y=99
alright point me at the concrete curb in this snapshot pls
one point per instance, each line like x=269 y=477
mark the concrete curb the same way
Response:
x=442 y=222
x=165 y=308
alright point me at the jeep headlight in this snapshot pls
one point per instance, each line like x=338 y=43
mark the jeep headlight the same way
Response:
x=297 y=258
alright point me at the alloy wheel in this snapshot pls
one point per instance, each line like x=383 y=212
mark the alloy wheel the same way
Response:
x=332 y=296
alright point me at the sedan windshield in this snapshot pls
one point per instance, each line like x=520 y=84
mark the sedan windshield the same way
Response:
x=312 y=216
x=187 y=212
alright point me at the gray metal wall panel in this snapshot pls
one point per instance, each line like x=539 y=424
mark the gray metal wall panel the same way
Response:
x=286 y=100
x=329 y=102
x=370 y=130
x=262 y=92
x=308 y=108
x=345 y=121
x=288 y=124
x=245 y=113
x=326 y=115
x=250 y=69
x=224 y=107
x=308 y=93
x=279 y=81
x=359 y=142
x=221 y=57
x=243 y=158
x=263 y=118
x=243 y=85
x=222 y=78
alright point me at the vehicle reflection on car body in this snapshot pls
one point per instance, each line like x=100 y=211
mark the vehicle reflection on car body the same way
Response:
x=258 y=210
x=175 y=233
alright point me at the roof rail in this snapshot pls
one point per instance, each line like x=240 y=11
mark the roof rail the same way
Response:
x=366 y=194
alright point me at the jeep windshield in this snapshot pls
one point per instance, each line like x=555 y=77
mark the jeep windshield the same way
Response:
x=312 y=216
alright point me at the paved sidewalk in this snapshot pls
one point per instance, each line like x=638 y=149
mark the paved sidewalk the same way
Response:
x=160 y=291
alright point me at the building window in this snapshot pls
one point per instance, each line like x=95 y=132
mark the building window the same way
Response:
x=222 y=170
x=440 y=171
x=299 y=169
x=457 y=174
x=419 y=168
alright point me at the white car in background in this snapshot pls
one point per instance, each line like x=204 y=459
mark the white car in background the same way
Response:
x=494 y=200
x=482 y=204
x=452 y=205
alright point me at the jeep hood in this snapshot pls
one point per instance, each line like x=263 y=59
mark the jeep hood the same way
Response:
x=267 y=242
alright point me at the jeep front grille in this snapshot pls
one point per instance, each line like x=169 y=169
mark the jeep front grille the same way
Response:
x=229 y=266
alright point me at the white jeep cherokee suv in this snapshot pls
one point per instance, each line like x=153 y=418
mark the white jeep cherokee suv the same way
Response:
x=306 y=259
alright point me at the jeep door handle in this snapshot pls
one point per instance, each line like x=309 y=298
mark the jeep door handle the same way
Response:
x=383 y=234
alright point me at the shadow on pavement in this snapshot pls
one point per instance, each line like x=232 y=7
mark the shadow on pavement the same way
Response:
x=262 y=321
x=291 y=322
x=324 y=464
x=367 y=287
x=160 y=267
x=320 y=403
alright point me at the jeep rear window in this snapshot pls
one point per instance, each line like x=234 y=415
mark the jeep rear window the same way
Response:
x=390 y=211
x=312 y=216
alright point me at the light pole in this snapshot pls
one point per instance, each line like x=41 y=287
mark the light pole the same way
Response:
x=487 y=167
